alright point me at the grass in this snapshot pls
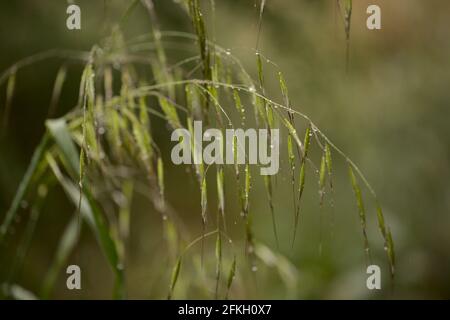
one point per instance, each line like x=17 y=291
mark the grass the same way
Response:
x=110 y=128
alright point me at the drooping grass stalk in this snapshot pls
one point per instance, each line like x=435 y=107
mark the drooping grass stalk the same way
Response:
x=9 y=96
x=346 y=13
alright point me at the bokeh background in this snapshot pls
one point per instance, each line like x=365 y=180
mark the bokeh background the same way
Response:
x=389 y=113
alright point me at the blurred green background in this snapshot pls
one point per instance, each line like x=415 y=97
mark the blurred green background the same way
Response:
x=389 y=113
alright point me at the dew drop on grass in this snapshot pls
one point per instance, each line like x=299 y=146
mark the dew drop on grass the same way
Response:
x=254 y=268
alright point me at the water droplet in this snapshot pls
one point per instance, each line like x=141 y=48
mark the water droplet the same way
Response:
x=252 y=89
x=101 y=131
x=254 y=268
x=227 y=52
x=164 y=217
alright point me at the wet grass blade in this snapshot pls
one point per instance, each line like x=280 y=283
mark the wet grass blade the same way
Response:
x=391 y=253
x=239 y=106
x=60 y=133
x=57 y=88
x=142 y=137
x=200 y=30
x=231 y=275
x=361 y=210
x=301 y=179
x=160 y=170
x=204 y=207
x=291 y=157
x=65 y=247
x=261 y=11
x=24 y=185
x=284 y=89
x=204 y=199
x=347 y=21
x=87 y=205
x=322 y=178
x=19 y=293
x=269 y=190
x=329 y=163
x=9 y=96
x=247 y=189
x=293 y=133
x=171 y=112
x=218 y=263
